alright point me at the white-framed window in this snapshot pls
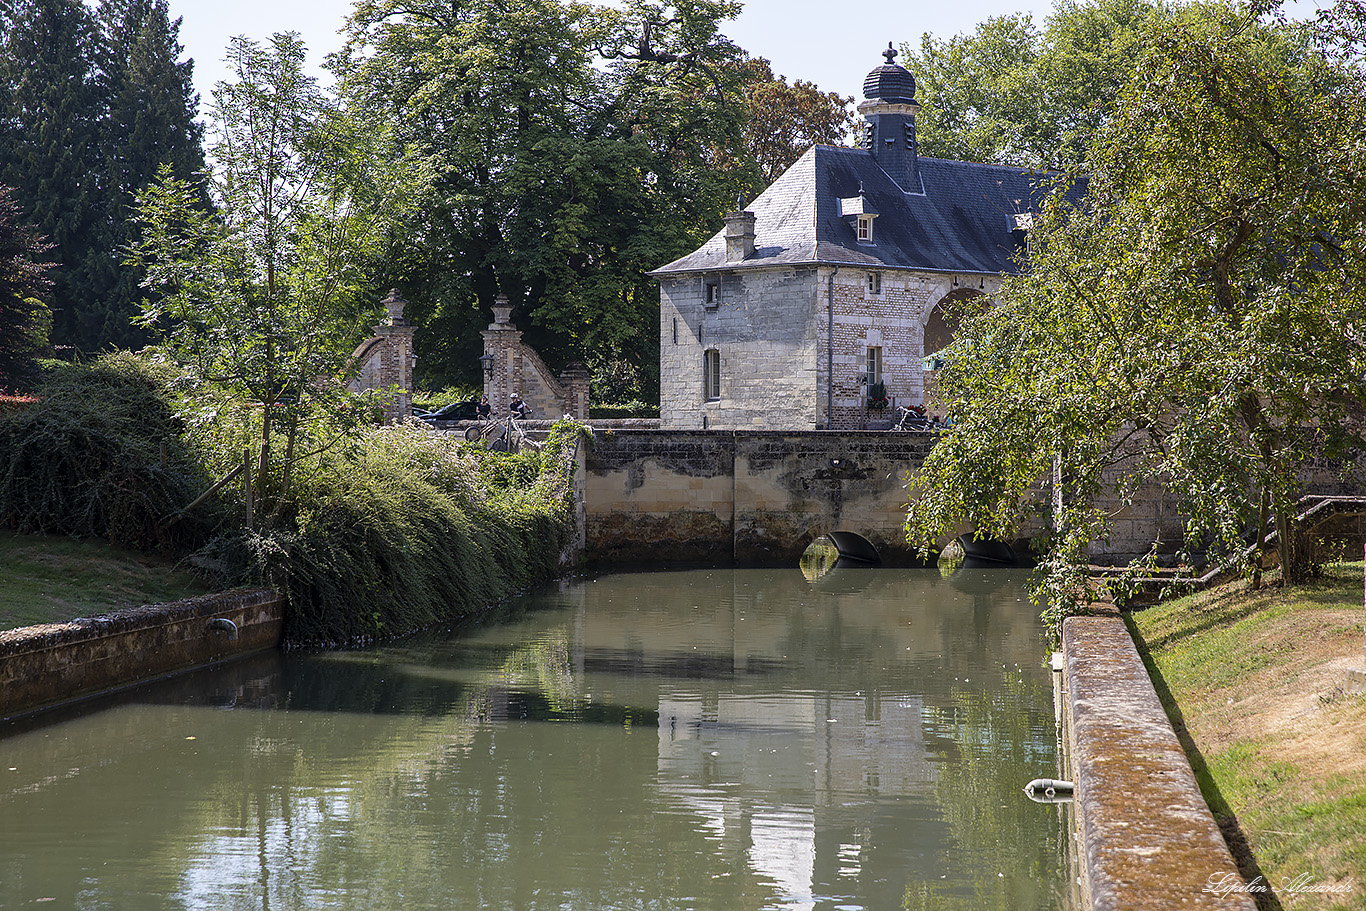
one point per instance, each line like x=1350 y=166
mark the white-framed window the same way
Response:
x=874 y=365
x=874 y=282
x=865 y=229
x=712 y=295
x=711 y=374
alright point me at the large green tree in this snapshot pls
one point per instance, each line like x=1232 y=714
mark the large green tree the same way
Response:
x=576 y=147
x=1200 y=322
x=1010 y=93
x=261 y=301
x=784 y=120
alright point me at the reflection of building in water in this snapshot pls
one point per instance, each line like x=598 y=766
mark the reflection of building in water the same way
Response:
x=804 y=731
x=847 y=750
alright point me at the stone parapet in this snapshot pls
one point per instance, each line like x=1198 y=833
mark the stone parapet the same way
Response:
x=1147 y=838
x=41 y=666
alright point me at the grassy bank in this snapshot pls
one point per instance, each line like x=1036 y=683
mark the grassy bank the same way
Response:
x=51 y=579
x=1254 y=683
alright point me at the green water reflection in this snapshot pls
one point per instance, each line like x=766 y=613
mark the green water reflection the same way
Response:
x=726 y=740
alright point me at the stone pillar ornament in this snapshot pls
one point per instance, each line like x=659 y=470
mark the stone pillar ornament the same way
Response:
x=502 y=312
x=394 y=304
x=502 y=343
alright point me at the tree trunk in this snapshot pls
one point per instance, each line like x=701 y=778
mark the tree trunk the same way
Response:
x=1260 y=555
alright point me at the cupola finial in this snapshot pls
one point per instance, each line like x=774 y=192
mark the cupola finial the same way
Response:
x=890 y=54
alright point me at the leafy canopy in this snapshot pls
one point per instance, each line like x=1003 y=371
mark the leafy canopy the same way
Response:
x=1199 y=321
x=575 y=147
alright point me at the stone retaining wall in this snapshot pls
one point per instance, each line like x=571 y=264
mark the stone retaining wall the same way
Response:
x=753 y=498
x=1148 y=840
x=45 y=665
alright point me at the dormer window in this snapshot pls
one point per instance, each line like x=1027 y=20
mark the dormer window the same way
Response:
x=1020 y=227
x=859 y=213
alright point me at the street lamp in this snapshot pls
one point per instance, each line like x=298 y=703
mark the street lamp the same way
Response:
x=487 y=360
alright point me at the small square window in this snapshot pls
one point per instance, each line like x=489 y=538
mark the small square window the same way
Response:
x=874 y=282
x=713 y=293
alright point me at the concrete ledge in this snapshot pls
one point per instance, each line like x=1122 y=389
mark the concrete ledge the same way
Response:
x=41 y=666
x=1147 y=838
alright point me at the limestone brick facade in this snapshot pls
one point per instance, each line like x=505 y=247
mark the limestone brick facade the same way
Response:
x=770 y=330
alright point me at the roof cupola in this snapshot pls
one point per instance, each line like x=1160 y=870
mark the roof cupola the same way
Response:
x=889 y=121
x=889 y=82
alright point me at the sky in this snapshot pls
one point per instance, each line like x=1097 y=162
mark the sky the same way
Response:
x=820 y=41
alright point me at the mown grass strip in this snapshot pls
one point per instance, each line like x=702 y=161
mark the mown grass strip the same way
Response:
x=51 y=579
x=1253 y=683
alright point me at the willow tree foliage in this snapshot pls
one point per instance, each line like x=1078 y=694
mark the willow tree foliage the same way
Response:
x=260 y=301
x=1200 y=322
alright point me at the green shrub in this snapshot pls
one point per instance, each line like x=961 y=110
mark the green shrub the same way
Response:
x=102 y=456
x=634 y=409
x=409 y=532
x=383 y=532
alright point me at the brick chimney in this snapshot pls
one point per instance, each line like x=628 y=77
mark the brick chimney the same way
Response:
x=739 y=236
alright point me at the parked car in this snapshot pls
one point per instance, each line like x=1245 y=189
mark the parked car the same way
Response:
x=455 y=411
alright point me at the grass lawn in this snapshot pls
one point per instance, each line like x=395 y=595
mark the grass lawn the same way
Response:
x=1254 y=683
x=49 y=579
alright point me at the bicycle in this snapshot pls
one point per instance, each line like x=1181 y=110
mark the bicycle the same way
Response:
x=500 y=434
x=914 y=420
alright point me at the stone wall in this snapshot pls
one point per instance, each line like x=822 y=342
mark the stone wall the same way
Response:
x=763 y=327
x=1153 y=516
x=745 y=497
x=1148 y=841
x=771 y=328
x=45 y=665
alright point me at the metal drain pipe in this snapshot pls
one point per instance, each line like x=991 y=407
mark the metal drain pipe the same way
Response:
x=830 y=350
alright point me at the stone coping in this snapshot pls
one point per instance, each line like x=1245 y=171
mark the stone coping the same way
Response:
x=1147 y=839
x=46 y=665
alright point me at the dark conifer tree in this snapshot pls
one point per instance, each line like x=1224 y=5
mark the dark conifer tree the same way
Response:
x=90 y=107
x=150 y=121
x=49 y=148
x=22 y=285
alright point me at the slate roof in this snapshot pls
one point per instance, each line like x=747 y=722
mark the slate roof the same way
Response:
x=961 y=223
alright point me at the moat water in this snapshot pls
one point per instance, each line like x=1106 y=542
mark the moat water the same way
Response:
x=711 y=739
